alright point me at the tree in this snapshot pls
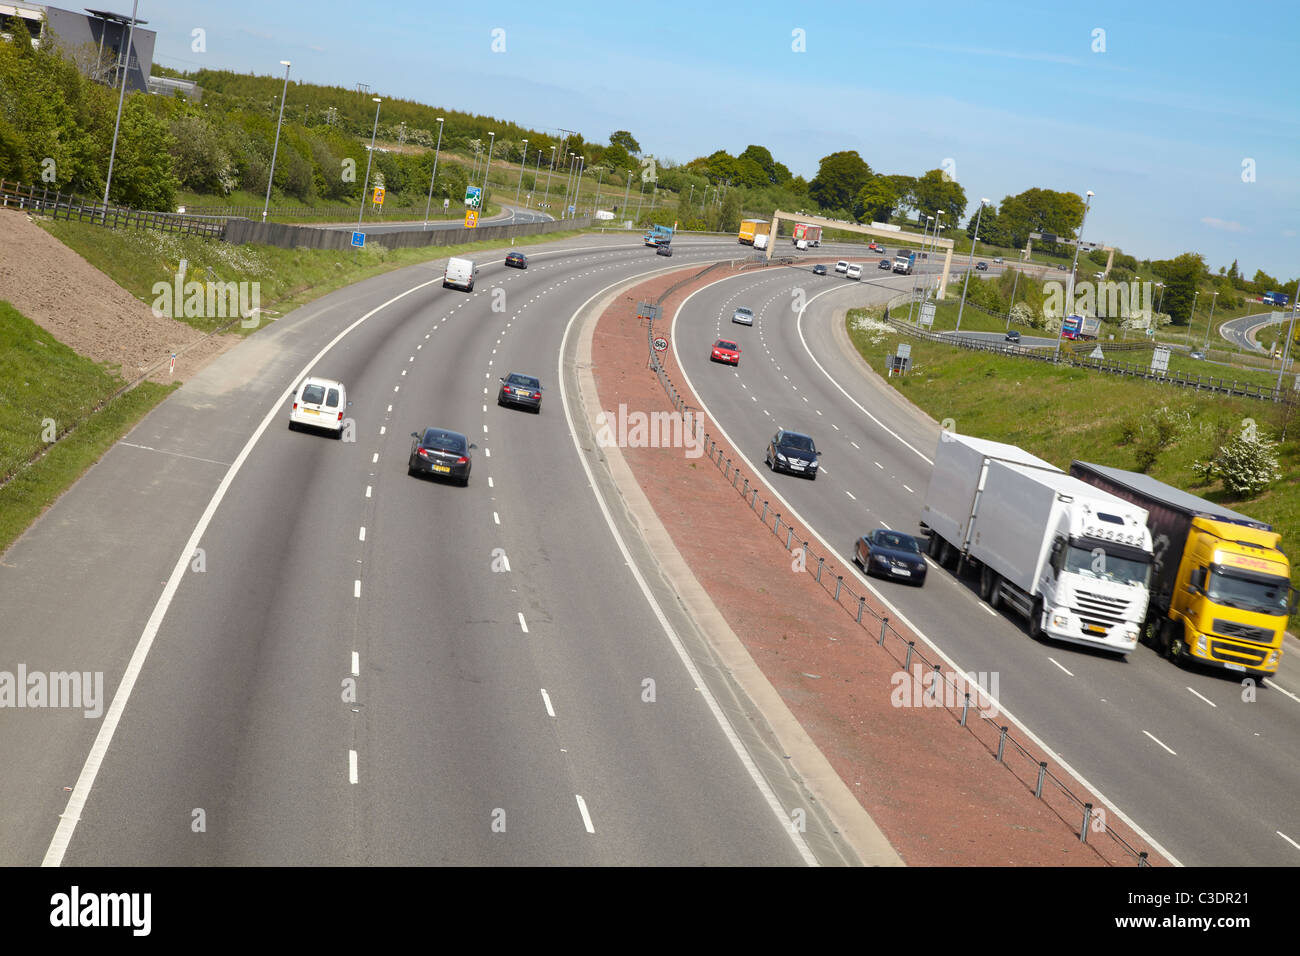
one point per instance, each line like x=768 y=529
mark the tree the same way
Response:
x=876 y=200
x=729 y=217
x=143 y=176
x=840 y=177
x=904 y=188
x=1181 y=275
x=750 y=173
x=617 y=157
x=625 y=139
x=936 y=193
x=1040 y=210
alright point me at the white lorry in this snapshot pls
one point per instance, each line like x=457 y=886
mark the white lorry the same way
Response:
x=1075 y=561
x=460 y=273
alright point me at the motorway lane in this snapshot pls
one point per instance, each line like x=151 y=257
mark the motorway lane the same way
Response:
x=1229 y=756
x=239 y=710
x=1243 y=331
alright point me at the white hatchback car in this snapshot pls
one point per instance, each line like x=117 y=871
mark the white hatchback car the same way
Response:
x=853 y=272
x=319 y=403
x=841 y=266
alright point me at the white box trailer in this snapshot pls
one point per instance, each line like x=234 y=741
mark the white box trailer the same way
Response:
x=1074 y=562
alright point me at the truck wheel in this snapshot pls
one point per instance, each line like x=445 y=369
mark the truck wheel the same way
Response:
x=986 y=582
x=995 y=593
x=1036 y=620
x=932 y=546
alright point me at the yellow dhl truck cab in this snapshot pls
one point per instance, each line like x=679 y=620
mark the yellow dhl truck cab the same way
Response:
x=1220 y=585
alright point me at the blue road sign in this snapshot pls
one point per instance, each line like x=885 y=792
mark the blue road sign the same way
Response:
x=358 y=239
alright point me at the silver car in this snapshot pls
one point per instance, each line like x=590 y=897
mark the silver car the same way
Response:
x=743 y=315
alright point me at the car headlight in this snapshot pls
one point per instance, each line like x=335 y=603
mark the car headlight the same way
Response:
x=880 y=557
x=1060 y=620
x=780 y=457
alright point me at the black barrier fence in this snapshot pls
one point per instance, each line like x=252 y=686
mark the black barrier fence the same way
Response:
x=62 y=205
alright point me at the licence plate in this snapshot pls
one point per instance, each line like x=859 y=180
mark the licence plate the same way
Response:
x=903 y=571
x=522 y=391
x=1235 y=667
x=1094 y=629
x=442 y=468
x=311 y=411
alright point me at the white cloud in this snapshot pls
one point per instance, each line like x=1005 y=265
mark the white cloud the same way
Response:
x=1223 y=224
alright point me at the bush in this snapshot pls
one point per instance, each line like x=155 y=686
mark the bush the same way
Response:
x=1247 y=463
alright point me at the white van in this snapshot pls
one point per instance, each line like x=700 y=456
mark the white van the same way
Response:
x=460 y=273
x=319 y=403
x=801 y=244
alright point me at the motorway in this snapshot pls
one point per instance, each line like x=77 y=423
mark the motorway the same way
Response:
x=320 y=660
x=509 y=216
x=1211 y=778
x=1243 y=331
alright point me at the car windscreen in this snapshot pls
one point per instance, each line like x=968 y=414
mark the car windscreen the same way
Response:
x=899 y=542
x=450 y=441
x=726 y=345
x=797 y=442
x=523 y=381
x=313 y=394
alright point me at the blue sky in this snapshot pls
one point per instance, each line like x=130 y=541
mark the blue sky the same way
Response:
x=1158 y=123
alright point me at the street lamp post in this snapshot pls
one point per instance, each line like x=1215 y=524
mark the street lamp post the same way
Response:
x=536 y=176
x=276 y=148
x=1014 y=283
x=435 y=173
x=121 y=98
x=577 y=184
x=971 y=262
x=522 y=162
x=1211 y=324
x=1161 y=304
x=550 y=169
x=487 y=167
x=1069 y=292
x=370 y=156
x=1191 y=319
x=915 y=275
x=626 y=189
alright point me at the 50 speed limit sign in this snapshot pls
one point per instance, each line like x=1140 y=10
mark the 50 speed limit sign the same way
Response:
x=660 y=343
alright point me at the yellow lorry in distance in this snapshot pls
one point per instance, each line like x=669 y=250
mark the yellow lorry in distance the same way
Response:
x=749 y=228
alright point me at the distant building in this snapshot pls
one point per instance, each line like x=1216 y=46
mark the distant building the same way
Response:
x=94 y=39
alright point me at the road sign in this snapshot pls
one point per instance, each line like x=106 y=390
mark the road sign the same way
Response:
x=359 y=239
x=904 y=351
x=661 y=344
x=379 y=196
x=571 y=208
x=445 y=204
x=927 y=315
x=1160 y=359
x=473 y=196
x=471 y=219
x=1096 y=353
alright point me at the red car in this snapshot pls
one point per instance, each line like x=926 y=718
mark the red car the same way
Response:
x=724 y=351
x=874 y=247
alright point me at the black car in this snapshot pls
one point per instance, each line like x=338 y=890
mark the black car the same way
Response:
x=663 y=249
x=890 y=554
x=441 y=453
x=819 y=269
x=981 y=267
x=517 y=260
x=1013 y=335
x=792 y=452
x=522 y=390
x=884 y=264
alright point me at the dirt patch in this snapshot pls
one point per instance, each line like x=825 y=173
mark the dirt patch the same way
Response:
x=932 y=786
x=89 y=312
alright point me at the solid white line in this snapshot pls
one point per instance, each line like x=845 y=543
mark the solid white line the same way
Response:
x=108 y=727
x=895 y=613
x=1153 y=737
x=363 y=533
x=995 y=614
x=586 y=817
x=1204 y=698
x=783 y=819
x=522 y=623
x=1280 y=689
x=352 y=766
x=356 y=664
x=546 y=699
x=1288 y=839
x=1057 y=663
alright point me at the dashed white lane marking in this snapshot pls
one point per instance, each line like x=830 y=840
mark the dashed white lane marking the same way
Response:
x=396 y=387
x=356 y=588
x=368 y=490
x=546 y=699
x=879 y=465
x=1058 y=664
x=523 y=625
x=833 y=425
x=412 y=358
x=1204 y=698
x=374 y=458
x=487 y=452
x=490 y=485
x=383 y=429
x=363 y=533
x=1288 y=839
x=356 y=664
x=485 y=427
x=586 y=817
x=403 y=371
x=352 y=766
x=851 y=495
x=909 y=490
x=1157 y=740
x=390 y=408
x=496 y=518
x=485 y=408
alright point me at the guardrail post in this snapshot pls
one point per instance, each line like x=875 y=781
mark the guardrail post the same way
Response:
x=907 y=665
x=1042 y=773
x=789 y=536
x=884 y=626
x=839 y=583
x=934 y=686
x=862 y=602
x=820 y=561
x=1142 y=859
x=1087 y=818
x=965 y=708
x=764 y=506
x=746 y=491
x=1002 y=743
x=776 y=528
x=726 y=472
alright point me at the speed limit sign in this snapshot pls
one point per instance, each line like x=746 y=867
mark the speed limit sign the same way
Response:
x=660 y=344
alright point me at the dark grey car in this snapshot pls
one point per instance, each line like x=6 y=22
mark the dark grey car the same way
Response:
x=441 y=453
x=522 y=390
x=793 y=452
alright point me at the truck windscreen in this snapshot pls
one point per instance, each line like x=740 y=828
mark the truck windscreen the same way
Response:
x=1105 y=565
x=1263 y=594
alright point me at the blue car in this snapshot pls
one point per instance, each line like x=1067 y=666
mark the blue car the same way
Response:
x=890 y=554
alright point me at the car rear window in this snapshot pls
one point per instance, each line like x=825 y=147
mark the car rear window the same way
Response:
x=433 y=438
x=523 y=381
x=332 y=399
x=313 y=394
